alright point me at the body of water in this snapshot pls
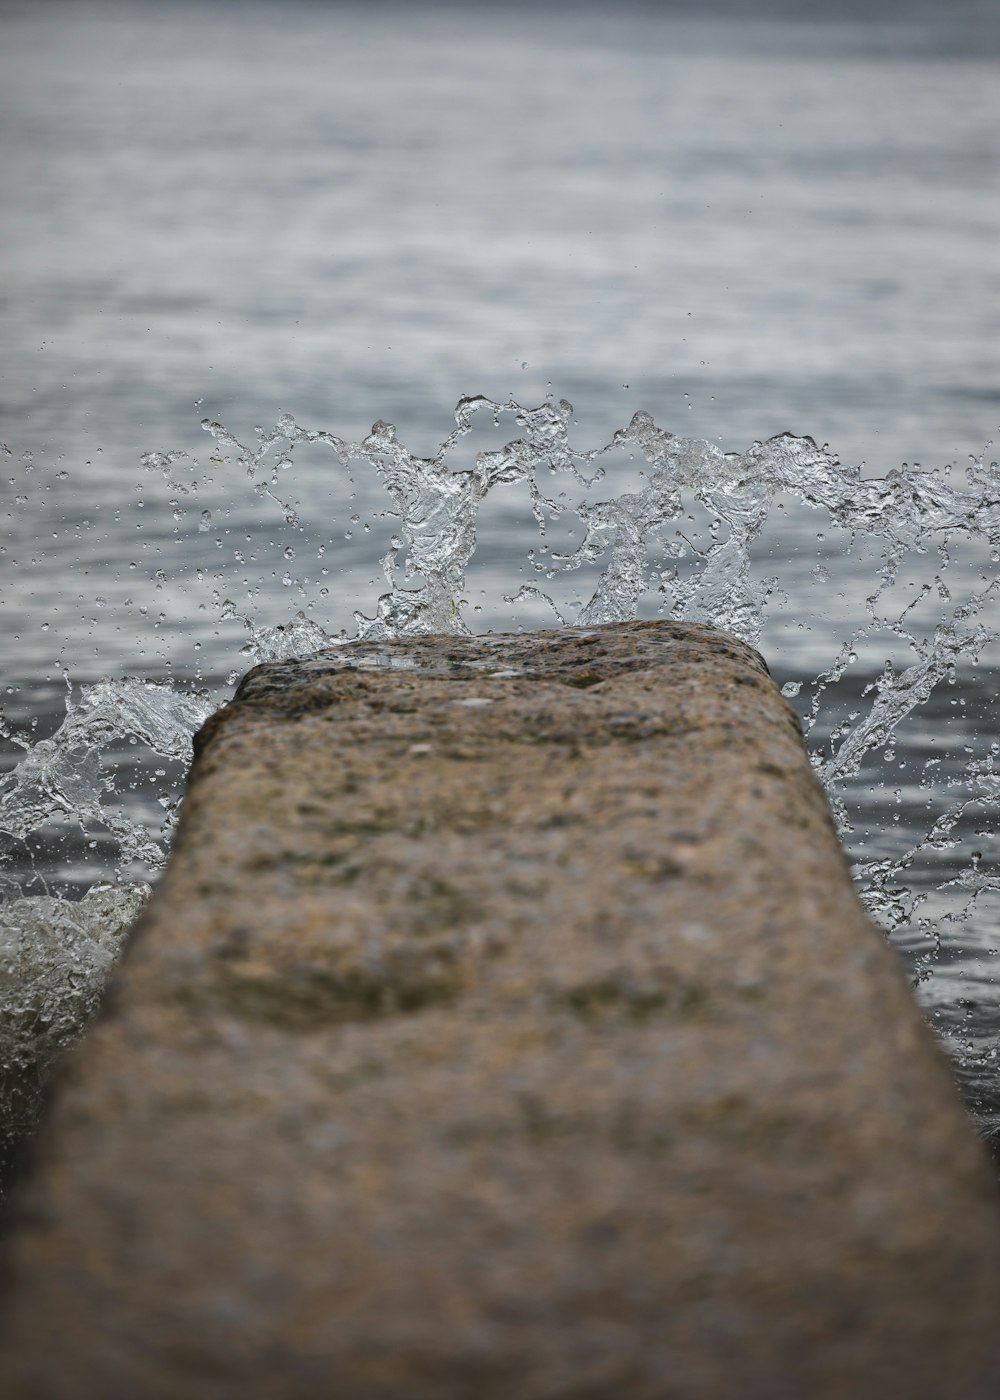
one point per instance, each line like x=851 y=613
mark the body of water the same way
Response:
x=743 y=225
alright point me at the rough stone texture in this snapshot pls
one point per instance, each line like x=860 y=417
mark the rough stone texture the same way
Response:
x=506 y=1027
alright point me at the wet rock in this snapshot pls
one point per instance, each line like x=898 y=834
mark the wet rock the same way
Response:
x=506 y=1025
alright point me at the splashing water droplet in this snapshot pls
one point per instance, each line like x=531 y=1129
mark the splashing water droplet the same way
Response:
x=684 y=542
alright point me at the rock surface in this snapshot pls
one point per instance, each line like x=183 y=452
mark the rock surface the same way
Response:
x=506 y=1026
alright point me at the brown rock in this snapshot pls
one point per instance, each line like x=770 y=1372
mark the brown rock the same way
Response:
x=506 y=1026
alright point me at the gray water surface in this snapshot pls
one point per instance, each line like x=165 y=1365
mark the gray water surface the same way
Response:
x=744 y=225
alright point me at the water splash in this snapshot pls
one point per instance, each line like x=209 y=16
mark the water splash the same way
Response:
x=56 y=953
x=55 y=959
x=65 y=775
x=685 y=539
x=437 y=507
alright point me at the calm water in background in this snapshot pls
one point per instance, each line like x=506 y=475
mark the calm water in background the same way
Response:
x=351 y=213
